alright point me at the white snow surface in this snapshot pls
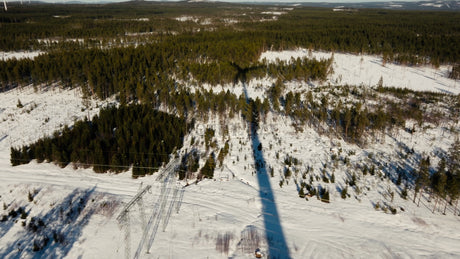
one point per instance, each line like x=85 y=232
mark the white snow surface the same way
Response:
x=366 y=70
x=231 y=203
x=19 y=55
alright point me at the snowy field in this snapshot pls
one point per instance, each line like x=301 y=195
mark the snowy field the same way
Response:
x=366 y=70
x=215 y=218
x=19 y=55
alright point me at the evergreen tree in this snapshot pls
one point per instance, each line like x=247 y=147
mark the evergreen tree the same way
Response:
x=453 y=176
x=207 y=171
x=422 y=177
x=439 y=181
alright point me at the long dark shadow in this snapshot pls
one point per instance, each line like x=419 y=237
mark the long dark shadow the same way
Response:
x=277 y=246
x=62 y=227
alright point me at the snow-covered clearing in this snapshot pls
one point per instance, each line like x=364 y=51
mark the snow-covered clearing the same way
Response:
x=366 y=70
x=19 y=55
x=274 y=13
x=187 y=19
x=224 y=217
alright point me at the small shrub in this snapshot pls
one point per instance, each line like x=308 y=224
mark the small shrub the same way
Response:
x=287 y=173
x=333 y=157
x=365 y=170
x=13 y=214
x=325 y=196
x=301 y=193
x=40 y=243
x=41 y=223
x=398 y=182
x=352 y=182
x=393 y=210
x=32 y=226
x=343 y=193
x=404 y=193
x=24 y=214
x=377 y=206
x=58 y=237
x=30 y=196
x=325 y=179
x=357 y=190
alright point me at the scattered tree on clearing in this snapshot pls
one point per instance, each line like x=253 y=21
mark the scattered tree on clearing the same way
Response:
x=422 y=180
x=444 y=182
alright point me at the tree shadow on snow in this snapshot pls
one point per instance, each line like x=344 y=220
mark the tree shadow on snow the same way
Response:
x=5 y=226
x=53 y=235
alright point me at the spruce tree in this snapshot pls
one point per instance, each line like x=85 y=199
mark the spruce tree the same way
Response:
x=422 y=178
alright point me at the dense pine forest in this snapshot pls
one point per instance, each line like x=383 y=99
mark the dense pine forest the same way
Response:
x=134 y=136
x=406 y=36
x=89 y=45
x=403 y=36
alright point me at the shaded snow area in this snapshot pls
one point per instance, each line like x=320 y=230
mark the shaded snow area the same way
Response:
x=366 y=70
x=251 y=203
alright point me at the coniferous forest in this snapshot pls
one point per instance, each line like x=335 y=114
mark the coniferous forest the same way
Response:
x=87 y=45
x=134 y=136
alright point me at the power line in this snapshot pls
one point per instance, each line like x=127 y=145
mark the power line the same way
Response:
x=78 y=164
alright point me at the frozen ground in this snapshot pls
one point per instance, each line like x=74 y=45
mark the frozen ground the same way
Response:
x=215 y=217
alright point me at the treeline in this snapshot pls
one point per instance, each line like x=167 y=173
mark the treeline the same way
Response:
x=214 y=73
x=135 y=135
x=455 y=72
x=131 y=69
x=408 y=37
x=138 y=73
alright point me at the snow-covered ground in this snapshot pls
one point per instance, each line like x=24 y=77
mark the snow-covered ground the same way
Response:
x=232 y=206
x=366 y=70
x=19 y=55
